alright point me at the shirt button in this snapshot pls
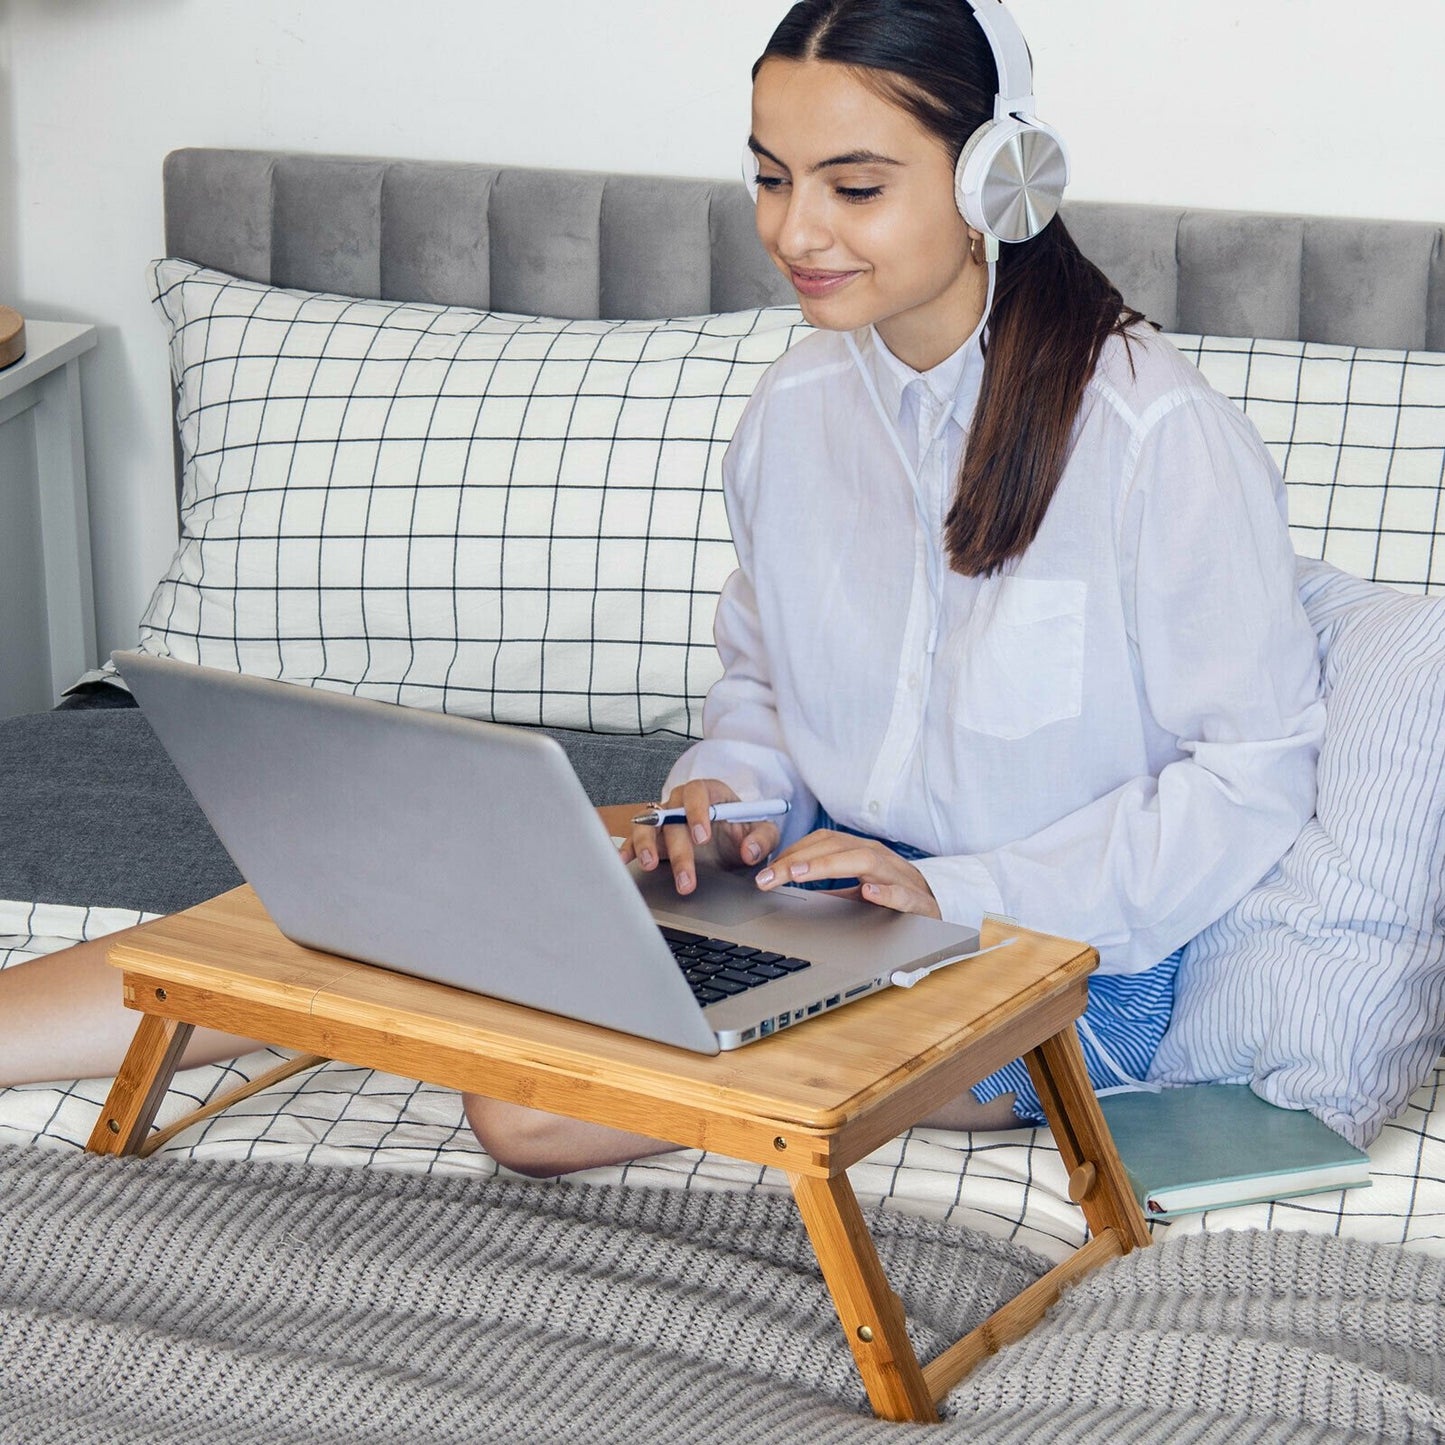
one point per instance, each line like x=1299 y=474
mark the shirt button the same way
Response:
x=874 y=809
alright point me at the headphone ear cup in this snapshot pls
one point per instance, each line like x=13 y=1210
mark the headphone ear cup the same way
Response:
x=1011 y=177
x=964 y=189
x=750 y=172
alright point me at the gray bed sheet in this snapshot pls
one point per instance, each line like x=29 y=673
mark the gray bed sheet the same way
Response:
x=92 y=811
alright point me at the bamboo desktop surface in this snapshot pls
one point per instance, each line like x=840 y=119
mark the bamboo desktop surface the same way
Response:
x=813 y=1099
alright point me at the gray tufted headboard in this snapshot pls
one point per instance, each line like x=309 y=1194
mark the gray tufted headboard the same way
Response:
x=580 y=244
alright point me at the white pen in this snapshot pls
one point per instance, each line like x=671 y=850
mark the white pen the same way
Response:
x=753 y=812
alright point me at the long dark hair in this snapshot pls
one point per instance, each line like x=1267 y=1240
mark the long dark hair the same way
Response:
x=1053 y=309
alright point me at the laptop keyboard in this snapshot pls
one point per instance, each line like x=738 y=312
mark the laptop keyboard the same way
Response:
x=716 y=968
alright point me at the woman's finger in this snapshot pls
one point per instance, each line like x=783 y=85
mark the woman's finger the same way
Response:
x=697 y=797
x=840 y=863
x=887 y=879
x=646 y=843
x=681 y=840
x=900 y=897
x=827 y=855
x=678 y=845
x=746 y=842
x=641 y=844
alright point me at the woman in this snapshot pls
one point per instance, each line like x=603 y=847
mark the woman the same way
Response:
x=1014 y=626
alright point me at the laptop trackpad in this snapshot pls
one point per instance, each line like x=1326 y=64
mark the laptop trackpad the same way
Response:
x=721 y=898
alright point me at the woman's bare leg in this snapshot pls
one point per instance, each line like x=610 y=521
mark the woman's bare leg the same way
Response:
x=542 y=1145
x=531 y=1141
x=968 y=1116
x=61 y=1017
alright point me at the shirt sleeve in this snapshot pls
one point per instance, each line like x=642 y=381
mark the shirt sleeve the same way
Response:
x=743 y=743
x=1228 y=665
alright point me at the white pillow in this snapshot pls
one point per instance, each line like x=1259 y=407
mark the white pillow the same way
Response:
x=1324 y=987
x=510 y=517
x=1360 y=437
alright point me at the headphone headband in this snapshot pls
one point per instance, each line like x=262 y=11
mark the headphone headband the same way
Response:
x=1010 y=55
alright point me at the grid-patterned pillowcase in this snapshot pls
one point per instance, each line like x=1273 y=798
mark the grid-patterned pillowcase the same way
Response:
x=509 y=517
x=1324 y=987
x=1360 y=437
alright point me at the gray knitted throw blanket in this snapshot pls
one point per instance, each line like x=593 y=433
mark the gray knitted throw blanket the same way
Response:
x=156 y=1302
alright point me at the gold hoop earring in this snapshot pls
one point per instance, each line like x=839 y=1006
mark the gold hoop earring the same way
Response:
x=973 y=249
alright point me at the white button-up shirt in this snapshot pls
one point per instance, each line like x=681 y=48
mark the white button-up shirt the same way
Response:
x=1113 y=738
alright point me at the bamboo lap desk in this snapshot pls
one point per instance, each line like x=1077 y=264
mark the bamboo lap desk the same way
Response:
x=811 y=1101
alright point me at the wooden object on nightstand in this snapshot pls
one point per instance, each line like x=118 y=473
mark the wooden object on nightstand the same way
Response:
x=811 y=1101
x=12 y=336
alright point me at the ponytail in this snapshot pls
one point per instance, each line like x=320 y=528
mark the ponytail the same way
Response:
x=1053 y=310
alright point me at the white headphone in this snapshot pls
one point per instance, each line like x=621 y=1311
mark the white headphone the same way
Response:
x=1012 y=173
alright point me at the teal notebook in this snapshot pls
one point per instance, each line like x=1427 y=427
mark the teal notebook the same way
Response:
x=1208 y=1146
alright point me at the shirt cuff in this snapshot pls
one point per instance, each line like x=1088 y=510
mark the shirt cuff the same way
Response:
x=963 y=889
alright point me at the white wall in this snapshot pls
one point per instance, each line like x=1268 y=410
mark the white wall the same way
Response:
x=1250 y=104
x=8 y=220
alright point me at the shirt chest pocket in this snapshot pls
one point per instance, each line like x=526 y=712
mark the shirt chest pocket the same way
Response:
x=1020 y=657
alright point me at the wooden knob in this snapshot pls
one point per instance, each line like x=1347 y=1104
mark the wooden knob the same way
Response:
x=1082 y=1181
x=12 y=336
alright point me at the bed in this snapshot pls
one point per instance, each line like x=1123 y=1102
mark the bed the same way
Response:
x=1309 y=322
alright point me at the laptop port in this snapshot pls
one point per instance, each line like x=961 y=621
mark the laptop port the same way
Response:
x=765 y=1028
x=814 y=1008
x=833 y=1002
x=749 y=1035
x=854 y=992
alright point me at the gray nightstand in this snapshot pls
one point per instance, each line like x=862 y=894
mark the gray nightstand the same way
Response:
x=47 y=607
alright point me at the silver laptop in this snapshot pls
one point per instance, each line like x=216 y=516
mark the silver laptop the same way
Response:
x=468 y=853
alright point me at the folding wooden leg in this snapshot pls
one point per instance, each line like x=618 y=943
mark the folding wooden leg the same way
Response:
x=871 y=1313
x=1097 y=1184
x=145 y=1075
x=1097 y=1181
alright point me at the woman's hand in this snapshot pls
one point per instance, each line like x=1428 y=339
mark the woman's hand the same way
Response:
x=738 y=844
x=885 y=878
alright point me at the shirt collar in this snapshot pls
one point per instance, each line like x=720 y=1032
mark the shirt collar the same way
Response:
x=946 y=381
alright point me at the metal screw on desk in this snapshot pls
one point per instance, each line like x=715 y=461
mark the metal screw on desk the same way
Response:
x=780 y=1143
x=865 y=1333
x=113 y=1125
x=160 y=993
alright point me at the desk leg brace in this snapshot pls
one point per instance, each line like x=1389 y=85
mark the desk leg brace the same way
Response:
x=871 y=1314
x=145 y=1075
